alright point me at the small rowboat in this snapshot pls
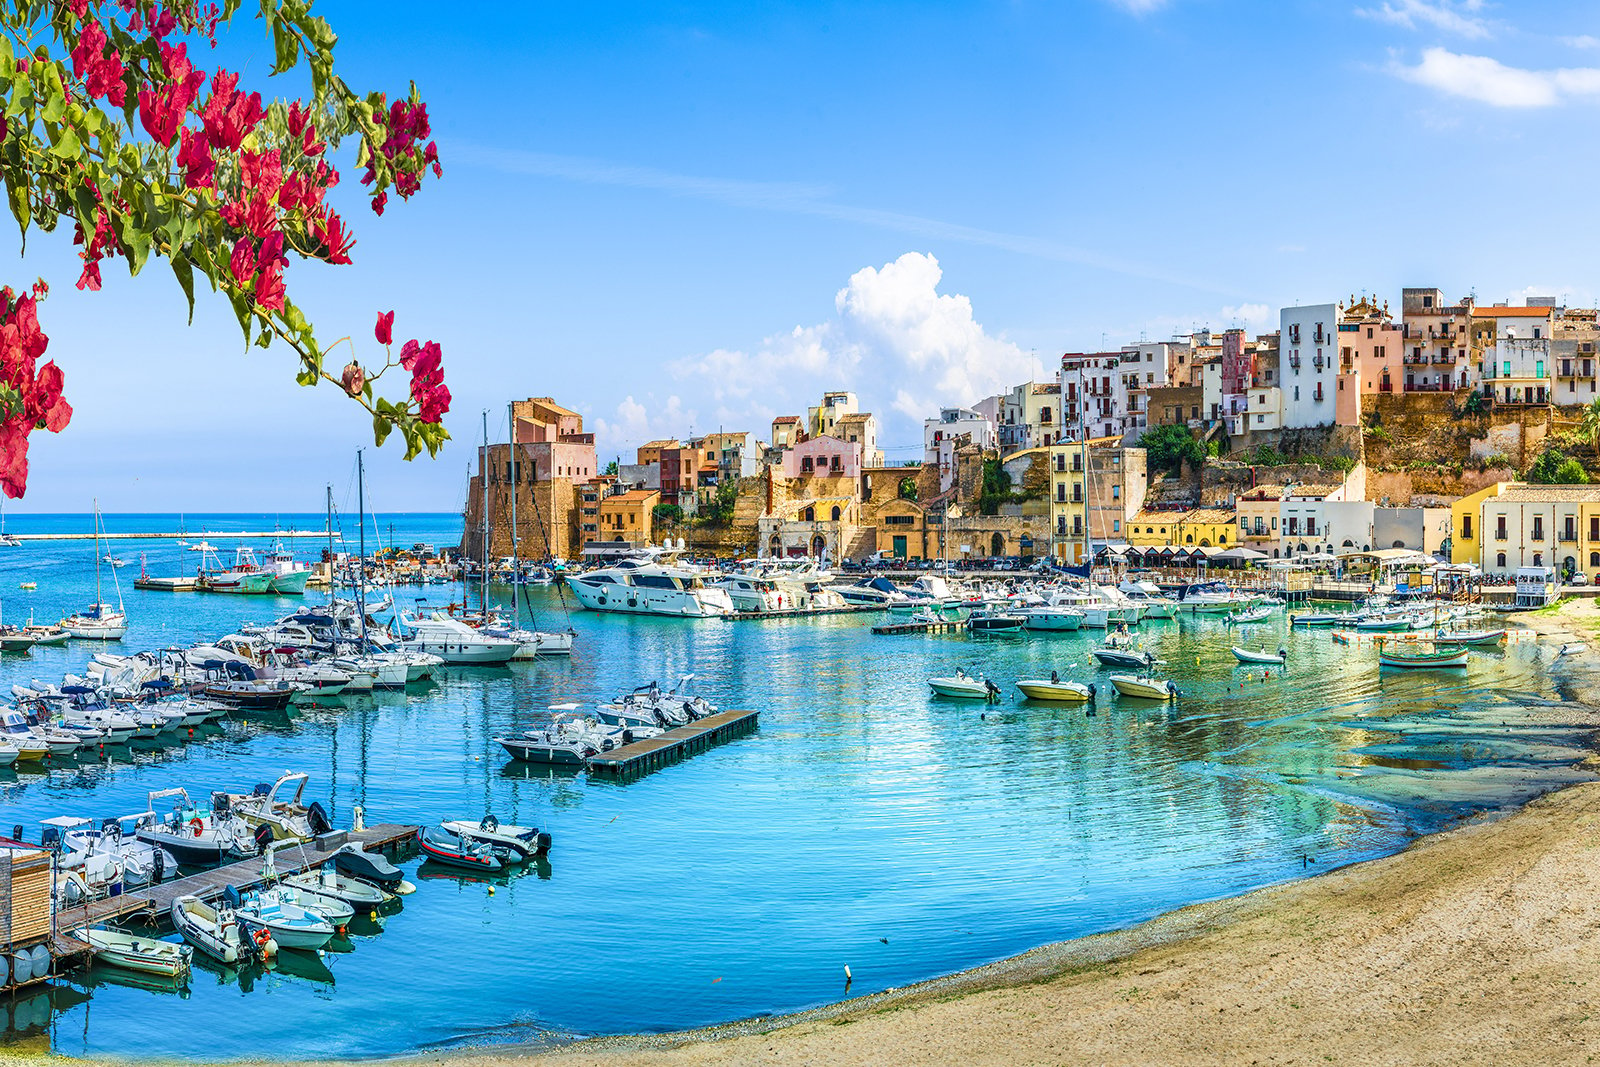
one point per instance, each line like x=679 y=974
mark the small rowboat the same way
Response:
x=1052 y=689
x=1244 y=655
x=1144 y=687
x=963 y=686
x=1385 y=624
x=138 y=952
x=1474 y=638
x=1254 y=615
x=453 y=851
x=1388 y=657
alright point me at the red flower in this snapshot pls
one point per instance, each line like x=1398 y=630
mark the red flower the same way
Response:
x=408 y=354
x=378 y=202
x=270 y=291
x=101 y=70
x=194 y=156
x=90 y=278
x=385 y=328
x=230 y=115
x=14 y=457
x=427 y=380
x=329 y=230
x=243 y=262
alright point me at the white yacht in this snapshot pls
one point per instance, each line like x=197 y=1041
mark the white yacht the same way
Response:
x=454 y=641
x=639 y=587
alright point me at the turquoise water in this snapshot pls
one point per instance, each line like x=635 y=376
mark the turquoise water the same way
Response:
x=864 y=823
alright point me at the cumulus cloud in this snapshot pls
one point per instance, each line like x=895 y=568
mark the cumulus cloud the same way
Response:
x=902 y=346
x=1489 y=81
x=1439 y=15
x=1254 y=317
x=1584 y=41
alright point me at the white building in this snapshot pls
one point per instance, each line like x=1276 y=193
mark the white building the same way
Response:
x=942 y=436
x=1264 y=408
x=1318 y=520
x=1515 y=344
x=1094 y=395
x=1030 y=416
x=1308 y=365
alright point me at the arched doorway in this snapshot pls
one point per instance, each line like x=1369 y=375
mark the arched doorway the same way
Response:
x=774 y=546
x=997 y=545
x=836 y=513
x=819 y=546
x=809 y=515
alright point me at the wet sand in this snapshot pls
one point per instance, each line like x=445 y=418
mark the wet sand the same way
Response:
x=1479 y=945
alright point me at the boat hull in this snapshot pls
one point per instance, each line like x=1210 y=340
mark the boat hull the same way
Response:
x=1063 y=692
x=1112 y=657
x=959 y=688
x=636 y=600
x=1142 y=688
x=1244 y=655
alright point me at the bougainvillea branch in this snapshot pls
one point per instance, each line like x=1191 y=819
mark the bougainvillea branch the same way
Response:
x=111 y=124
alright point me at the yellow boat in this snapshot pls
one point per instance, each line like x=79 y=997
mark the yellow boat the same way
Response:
x=1052 y=689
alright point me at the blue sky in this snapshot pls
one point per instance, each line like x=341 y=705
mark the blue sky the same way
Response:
x=680 y=217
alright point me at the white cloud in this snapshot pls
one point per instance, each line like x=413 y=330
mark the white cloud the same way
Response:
x=1140 y=7
x=902 y=346
x=1489 y=81
x=637 y=422
x=1253 y=317
x=1439 y=15
x=1581 y=41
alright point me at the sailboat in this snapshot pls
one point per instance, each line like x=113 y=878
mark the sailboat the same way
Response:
x=6 y=540
x=99 y=621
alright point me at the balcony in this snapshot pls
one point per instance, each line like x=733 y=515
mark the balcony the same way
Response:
x=1569 y=536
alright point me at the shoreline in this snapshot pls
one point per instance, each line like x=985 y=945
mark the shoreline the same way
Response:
x=1413 y=957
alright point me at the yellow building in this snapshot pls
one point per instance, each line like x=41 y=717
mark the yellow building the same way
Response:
x=1466 y=525
x=1200 y=528
x=627 y=516
x=1069 y=502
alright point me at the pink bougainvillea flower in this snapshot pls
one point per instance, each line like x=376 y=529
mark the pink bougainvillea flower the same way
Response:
x=243 y=262
x=378 y=203
x=353 y=378
x=194 y=156
x=385 y=328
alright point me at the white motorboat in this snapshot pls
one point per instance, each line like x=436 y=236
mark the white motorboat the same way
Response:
x=288 y=925
x=644 y=587
x=142 y=863
x=454 y=641
x=1248 y=618
x=86 y=711
x=648 y=706
x=15 y=731
x=8 y=754
x=196 y=836
x=97 y=622
x=525 y=841
x=873 y=592
x=1245 y=655
x=1053 y=688
x=216 y=931
x=383 y=670
x=1144 y=687
x=964 y=686
x=1052 y=618
x=329 y=882
x=137 y=952
x=1119 y=655
x=567 y=739
x=531 y=644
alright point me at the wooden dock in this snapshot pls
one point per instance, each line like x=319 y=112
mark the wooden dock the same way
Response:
x=946 y=627
x=653 y=753
x=153 y=904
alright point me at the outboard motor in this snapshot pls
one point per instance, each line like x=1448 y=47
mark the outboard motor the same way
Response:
x=263 y=838
x=16 y=832
x=993 y=690
x=1172 y=687
x=489 y=824
x=111 y=828
x=219 y=804
x=230 y=897
x=159 y=874
x=1284 y=652
x=317 y=818
x=51 y=838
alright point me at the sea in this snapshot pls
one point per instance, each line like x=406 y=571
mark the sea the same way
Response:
x=865 y=824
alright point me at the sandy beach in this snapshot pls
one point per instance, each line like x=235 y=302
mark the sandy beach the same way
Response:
x=1477 y=945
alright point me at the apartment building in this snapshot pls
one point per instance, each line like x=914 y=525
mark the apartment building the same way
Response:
x=1511 y=525
x=1437 y=343
x=1308 y=347
x=1512 y=346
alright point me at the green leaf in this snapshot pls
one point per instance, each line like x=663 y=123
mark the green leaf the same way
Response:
x=287 y=49
x=8 y=59
x=138 y=239
x=55 y=108
x=67 y=146
x=185 y=275
x=380 y=429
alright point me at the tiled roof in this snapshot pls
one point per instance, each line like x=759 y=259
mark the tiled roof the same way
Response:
x=1511 y=313
x=787 y=418
x=1550 y=494
x=1210 y=515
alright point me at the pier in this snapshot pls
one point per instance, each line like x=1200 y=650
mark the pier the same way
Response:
x=653 y=753
x=944 y=627
x=153 y=903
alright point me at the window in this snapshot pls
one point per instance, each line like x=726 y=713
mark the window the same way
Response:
x=1538 y=527
x=1594 y=527
x=1427 y=301
x=1538 y=559
x=1538 y=366
x=1116 y=525
x=1297 y=393
x=1466 y=527
x=836 y=513
x=1500 y=528
x=1500 y=560
x=1506 y=369
x=1116 y=492
x=1594 y=559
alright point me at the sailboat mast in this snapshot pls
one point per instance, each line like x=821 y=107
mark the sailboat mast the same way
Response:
x=97 y=596
x=333 y=571
x=516 y=566
x=361 y=538
x=1083 y=450
x=483 y=541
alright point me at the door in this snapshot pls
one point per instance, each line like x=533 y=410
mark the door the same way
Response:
x=899 y=546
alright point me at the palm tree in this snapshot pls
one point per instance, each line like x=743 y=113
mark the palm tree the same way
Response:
x=1589 y=427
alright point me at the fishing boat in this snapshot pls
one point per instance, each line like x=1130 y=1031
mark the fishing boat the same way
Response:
x=1384 y=624
x=137 y=952
x=245 y=577
x=286 y=923
x=1144 y=687
x=454 y=851
x=1473 y=638
x=1053 y=688
x=1389 y=656
x=963 y=686
x=525 y=841
x=289 y=576
x=1245 y=655
x=47 y=636
x=216 y=931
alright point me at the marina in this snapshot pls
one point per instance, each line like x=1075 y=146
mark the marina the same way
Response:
x=853 y=749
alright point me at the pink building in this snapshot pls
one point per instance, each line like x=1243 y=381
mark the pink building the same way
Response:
x=1238 y=363
x=823 y=457
x=1371 y=349
x=553 y=440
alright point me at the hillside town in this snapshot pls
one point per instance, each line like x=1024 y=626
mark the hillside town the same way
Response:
x=1450 y=428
